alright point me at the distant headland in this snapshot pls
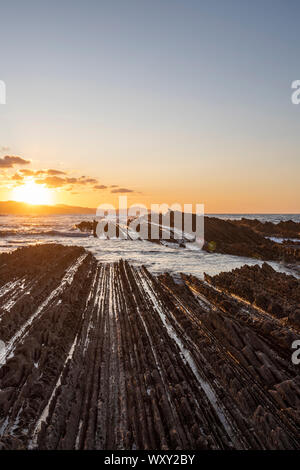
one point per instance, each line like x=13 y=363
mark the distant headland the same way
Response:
x=23 y=209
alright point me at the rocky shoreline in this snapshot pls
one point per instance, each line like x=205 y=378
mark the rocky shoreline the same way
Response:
x=108 y=356
x=244 y=237
x=231 y=237
x=284 y=229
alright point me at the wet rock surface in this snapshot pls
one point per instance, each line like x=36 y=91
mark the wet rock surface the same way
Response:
x=284 y=229
x=107 y=356
x=275 y=293
x=235 y=238
x=232 y=237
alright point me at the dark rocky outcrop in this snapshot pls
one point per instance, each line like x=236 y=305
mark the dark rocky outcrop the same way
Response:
x=229 y=237
x=276 y=293
x=221 y=236
x=283 y=229
x=107 y=356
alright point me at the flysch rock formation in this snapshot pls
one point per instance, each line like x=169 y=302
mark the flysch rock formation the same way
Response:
x=284 y=229
x=108 y=356
x=239 y=238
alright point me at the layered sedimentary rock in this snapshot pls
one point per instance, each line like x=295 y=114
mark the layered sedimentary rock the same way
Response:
x=228 y=237
x=107 y=356
x=220 y=236
x=284 y=229
x=272 y=291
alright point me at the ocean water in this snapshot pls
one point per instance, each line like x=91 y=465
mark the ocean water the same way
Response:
x=16 y=231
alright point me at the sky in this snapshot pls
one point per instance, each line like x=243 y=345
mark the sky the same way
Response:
x=166 y=101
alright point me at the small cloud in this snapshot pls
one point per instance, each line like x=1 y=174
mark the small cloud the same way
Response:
x=9 y=161
x=26 y=172
x=70 y=180
x=55 y=172
x=89 y=181
x=122 y=190
x=52 y=181
x=17 y=177
x=100 y=186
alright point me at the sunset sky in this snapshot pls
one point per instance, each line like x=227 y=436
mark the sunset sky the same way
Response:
x=162 y=100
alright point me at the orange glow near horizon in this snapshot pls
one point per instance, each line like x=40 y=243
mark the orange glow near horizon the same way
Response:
x=32 y=193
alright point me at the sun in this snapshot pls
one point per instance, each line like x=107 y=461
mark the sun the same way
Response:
x=32 y=193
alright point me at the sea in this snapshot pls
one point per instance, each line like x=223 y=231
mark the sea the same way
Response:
x=20 y=231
